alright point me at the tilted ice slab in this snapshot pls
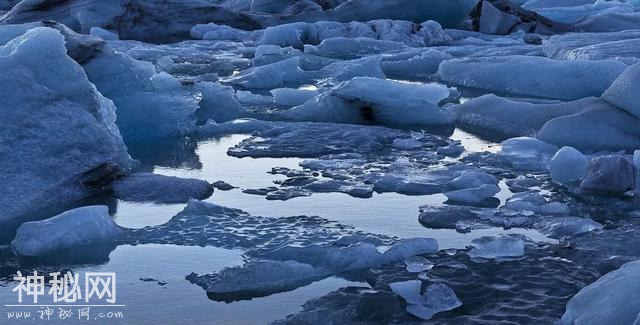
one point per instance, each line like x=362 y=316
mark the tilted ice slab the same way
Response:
x=74 y=228
x=622 y=46
x=146 y=187
x=599 y=127
x=371 y=100
x=155 y=105
x=53 y=119
x=532 y=76
x=613 y=299
x=499 y=117
x=288 y=72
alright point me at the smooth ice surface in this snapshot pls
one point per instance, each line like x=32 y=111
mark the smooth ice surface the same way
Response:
x=533 y=76
x=527 y=153
x=473 y=195
x=59 y=122
x=613 y=299
x=78 y=227
x=497 y=246
x=625 y=91
x=567 y=165
x=499 y=117
x=146 y=187
x=601 y=126
x=371 y=100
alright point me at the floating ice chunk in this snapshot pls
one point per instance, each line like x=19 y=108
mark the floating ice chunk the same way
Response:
x=445 y=217
x=502 y=117
x=568 y=165
x=287 y=72
x=527 y=153
x=437 y=298
x=410 y=247
x=292 y=96
x=473 y=178
x=474 y=195
x=145 y=187
x=536 y=203
x=78 y=227
x=491 y=247
x=612 y=299
x=267 y=54
x=257 y=279
x=58 y=132
x=533 y=76
x=601 y=127
x=610 y=174
x=367 y=100
x=559 y=227
x=625 y=91
x=410 y=291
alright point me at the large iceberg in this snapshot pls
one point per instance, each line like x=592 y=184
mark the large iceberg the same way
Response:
x=533 y=76
x=372 y=100
x=613 y=299
x=74 y=228
x=53 y=119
